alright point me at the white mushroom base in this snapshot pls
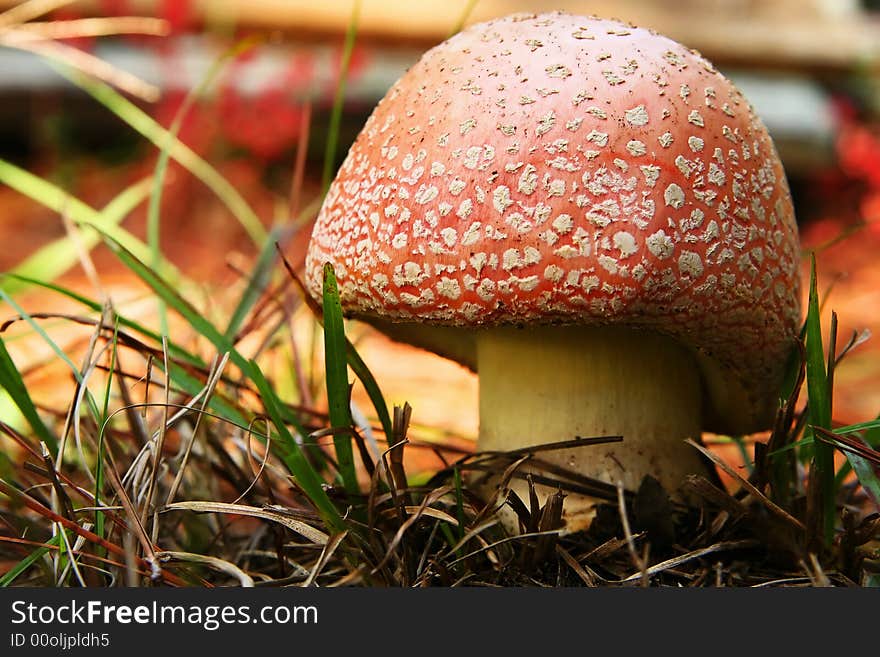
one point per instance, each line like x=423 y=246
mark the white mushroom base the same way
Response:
x=548 y=384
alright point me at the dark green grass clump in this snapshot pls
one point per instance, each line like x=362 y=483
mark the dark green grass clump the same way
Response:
x=167 y=468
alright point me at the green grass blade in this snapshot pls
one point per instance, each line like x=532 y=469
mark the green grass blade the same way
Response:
x=781 y=466
x=257 y=283
x=173 y=349
x=56 y=257
x=169 y=294
x=181 y=306
x=8 y=578
x=806 y=441
x=89 y=398
x=866 y=474
x=462 y=19
x=195 y=319
x=153 y=223
x=338 y=387
x=820 y=408
x=870 y=425
x=179 y=375
x=459 y=502
x=741 y=447
x=141 y=122
x=105 y=410
x=339 y=97
x=57 y=199
x=11 y=381
x=54 y=346
x=362 y=372
x=293 y=456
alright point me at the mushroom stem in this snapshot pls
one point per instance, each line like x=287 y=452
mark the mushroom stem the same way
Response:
x=547 y=384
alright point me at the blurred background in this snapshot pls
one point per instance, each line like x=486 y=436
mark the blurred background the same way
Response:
x=811 y=68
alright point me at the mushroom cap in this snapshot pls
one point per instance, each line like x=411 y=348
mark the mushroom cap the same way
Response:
x=567 y=169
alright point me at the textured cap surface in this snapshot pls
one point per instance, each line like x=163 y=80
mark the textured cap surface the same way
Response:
x=565 y=169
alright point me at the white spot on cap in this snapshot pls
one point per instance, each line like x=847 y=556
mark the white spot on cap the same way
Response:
x=426 y=194
x=478 y=261
x=716 y=174
x=511 y=259
x=449 y=288
x=684 y=165
x=674 y=196
x=409 y=274
x=598 y=112
x=542 y=212
x=553 y=273
x=690 y=264
x=696 y=118
x=501 y=198
x=563 y=223
x=660 y=245
x=637 y=116
x=608 y=263
x=666 y=139
x=465 y=208
x=696 y=144
x=556 y=187
x=545 y=123
x=625 y=243
x=651 y=173
x=612 y=78
x=486 y=289
x=598 y=138
x=450 y=236
x=558 y=71
x=528 y=180
x=472 y=234
x=636 y=148
x=472 y=157
x=580 y=97
x=528 y=283
x=566 y=251
x=589 y=283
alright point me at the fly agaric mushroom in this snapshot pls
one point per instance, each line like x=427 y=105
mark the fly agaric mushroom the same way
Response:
x=594 y=219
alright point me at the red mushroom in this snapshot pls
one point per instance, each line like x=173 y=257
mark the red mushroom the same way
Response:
x=592 y=217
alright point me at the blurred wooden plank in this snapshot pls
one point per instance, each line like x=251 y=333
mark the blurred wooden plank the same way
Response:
x=803 y=34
